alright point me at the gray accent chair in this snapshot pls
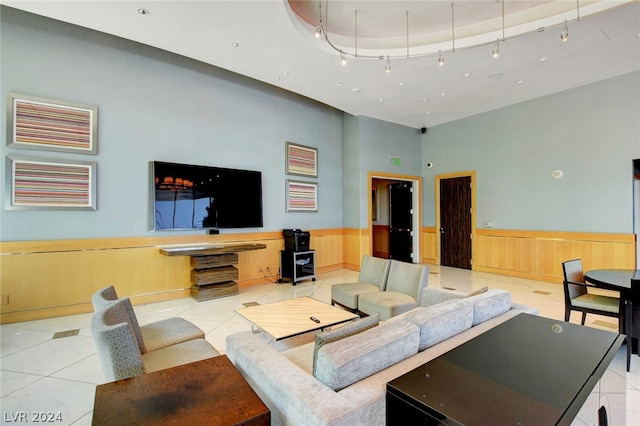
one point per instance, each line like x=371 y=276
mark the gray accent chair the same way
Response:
x=577 y=298
x=120 y=354
x=372 y=278
x=156 y=335
x=403 y=291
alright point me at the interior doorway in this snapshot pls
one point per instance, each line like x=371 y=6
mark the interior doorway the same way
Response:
x=395 y=216
x=455 y=219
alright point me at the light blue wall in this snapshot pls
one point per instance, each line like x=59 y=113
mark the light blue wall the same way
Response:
x=591 y=133
x=369 y=146
x=157 y=106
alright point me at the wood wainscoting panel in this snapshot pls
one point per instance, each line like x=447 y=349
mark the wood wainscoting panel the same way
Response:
x=429 y=247
x=43 y=279
x=380 y=240
x=539 y=254
x=329 y=247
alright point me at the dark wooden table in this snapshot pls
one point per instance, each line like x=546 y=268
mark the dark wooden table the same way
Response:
x=528 y=370
x=208 y=392
x=619 y=280
x=627 y=282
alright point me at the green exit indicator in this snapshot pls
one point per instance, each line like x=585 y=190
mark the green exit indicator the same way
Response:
x=396 y=161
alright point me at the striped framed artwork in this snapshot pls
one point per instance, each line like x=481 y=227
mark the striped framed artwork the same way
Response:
x=39 y=184
x=302 y=196
x=302 y=160
x=38 y=123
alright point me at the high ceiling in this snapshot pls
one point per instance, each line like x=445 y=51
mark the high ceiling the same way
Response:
x=273 y=41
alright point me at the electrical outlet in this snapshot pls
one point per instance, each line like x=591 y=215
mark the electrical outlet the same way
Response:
x=5 y=299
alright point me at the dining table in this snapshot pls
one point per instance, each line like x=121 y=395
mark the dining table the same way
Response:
x=625 y=281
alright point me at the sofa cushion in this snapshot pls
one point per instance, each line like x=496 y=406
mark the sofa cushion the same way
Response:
x=346 y=330
x=489 y=305
x=387 y=303
x=440 y=322
x=341 y=363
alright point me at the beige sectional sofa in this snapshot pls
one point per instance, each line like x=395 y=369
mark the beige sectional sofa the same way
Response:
x=343 y=382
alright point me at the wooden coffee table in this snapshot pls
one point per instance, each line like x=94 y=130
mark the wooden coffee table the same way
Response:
x=293 y=317
x=211 y=392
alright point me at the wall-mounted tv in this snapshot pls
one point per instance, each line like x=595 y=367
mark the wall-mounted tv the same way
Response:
x=191 y=197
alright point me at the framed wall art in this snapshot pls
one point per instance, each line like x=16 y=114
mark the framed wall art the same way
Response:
x=47 y=124
x=302 y=196
x=301 y=160
x=40 y=184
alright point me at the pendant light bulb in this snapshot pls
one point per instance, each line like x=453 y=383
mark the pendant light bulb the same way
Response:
x=496 y=51
x=387 y=68
x=343 y=59
x=318 y=32
x=440 y=59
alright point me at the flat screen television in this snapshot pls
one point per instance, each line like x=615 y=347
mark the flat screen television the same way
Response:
x=191 y=197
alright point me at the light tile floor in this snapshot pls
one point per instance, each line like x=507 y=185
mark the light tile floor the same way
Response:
x=40 y=374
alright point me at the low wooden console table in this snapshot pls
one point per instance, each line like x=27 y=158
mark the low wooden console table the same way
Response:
x=208 y=392
x=213 y=271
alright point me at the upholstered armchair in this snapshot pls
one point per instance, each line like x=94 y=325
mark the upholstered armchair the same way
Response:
x=151 y=336
x=402 y=293
x=372 y=278
x=120 y=354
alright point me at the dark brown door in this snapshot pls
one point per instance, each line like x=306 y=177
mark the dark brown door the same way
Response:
x=455 y=222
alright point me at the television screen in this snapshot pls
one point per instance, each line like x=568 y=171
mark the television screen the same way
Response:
x=191 y=197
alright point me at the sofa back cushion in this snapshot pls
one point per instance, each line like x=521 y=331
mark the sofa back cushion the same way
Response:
x=346 y=330
x=440 y=322
x=489 y=305
x=341 y=363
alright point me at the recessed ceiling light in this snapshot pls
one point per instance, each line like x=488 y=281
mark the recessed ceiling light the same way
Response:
x=520 y=81
x=427 y=113
x=285 y=73
x=466 y=74
x=425 y=100
x=544 y=58
x=235 y=44
x=143 y=11
x=277 y=77
x=341 y=84
x=355 y=90
x=401 y=84
x=443 y=93
x=381 y=99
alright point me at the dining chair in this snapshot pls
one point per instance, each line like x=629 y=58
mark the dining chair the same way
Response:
x=578 y=298
x=120 y=355
x=372 y=278
x=402 y=293
x=153 y=336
